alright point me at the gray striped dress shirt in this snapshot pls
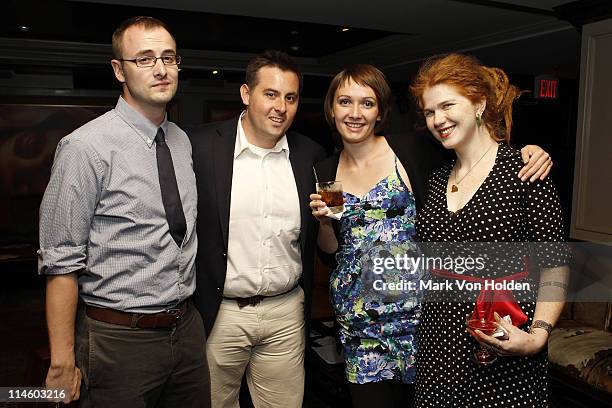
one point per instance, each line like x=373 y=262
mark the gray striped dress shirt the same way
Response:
x=102 y=214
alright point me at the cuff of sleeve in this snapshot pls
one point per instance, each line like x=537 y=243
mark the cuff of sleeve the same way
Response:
x=62 y=260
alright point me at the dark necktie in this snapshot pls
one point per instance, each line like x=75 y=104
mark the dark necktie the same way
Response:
x=169 y=189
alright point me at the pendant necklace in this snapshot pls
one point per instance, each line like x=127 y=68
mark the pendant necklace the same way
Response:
x=455 y=185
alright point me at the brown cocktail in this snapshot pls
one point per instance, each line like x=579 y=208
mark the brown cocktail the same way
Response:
x=331 y=195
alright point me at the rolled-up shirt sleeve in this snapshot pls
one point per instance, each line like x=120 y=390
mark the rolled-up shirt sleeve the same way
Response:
x=68 y=207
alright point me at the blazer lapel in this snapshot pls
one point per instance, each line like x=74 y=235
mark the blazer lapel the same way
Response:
x=302 y=175
x=223 y=157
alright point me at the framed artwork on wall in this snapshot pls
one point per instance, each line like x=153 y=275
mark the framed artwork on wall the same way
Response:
x=30 y=128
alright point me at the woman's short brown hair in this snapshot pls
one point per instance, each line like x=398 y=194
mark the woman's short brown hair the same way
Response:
x=364 y=75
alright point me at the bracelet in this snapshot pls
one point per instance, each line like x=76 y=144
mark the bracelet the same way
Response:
x=541 y=324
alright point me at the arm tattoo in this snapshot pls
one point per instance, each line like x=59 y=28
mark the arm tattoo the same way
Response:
x=555 y=283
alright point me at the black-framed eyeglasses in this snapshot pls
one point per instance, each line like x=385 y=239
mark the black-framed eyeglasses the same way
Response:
x=147 y=61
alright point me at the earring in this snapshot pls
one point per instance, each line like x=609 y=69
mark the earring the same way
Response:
x=479 y=119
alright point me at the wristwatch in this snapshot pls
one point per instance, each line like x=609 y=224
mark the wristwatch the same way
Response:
x=541 y=324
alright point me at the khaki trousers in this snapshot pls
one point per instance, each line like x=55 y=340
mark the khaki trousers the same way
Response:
x=266 y=340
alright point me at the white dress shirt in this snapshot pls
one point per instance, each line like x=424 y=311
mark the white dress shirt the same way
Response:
x=263 y=256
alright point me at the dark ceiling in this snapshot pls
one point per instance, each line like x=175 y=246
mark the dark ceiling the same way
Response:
x=95 y=22
x=395 y=35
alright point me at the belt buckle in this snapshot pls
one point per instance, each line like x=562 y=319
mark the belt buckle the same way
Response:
x=175 y=312
x=250 y=301
x=243 y=302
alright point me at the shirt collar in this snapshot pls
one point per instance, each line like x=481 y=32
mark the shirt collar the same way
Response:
x=143 y=126
x=243 y=144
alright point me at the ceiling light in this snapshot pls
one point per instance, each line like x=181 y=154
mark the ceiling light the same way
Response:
x=344 y=29
x=215 y=72
x=24 y=28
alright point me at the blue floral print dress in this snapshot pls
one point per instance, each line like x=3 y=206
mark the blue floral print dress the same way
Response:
x=377 y=325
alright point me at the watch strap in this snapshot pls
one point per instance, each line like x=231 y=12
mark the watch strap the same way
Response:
x=541 y=324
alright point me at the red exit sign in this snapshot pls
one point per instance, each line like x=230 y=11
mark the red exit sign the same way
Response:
x=546 y=87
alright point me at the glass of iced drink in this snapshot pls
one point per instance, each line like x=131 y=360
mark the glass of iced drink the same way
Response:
x=331 y=195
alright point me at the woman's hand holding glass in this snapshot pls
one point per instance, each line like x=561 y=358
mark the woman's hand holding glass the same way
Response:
x=517 y=343
x=319 y=208
x=326 y=239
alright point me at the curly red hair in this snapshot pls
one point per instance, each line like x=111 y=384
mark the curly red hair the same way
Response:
x=474 y=81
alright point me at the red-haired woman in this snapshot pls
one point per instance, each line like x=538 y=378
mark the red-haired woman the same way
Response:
x=478 y=198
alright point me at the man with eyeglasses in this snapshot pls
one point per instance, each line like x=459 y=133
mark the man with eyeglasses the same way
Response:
x=118 y=243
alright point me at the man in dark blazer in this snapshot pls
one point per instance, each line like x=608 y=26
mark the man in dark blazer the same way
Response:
x=256 y=257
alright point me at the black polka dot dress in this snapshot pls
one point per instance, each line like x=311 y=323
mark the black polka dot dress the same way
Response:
x=504 y=209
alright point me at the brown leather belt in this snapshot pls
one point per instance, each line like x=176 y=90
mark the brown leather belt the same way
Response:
x=254 y=300
x=167 y=318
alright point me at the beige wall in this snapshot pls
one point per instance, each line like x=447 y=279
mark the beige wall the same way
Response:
x=592 y=201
